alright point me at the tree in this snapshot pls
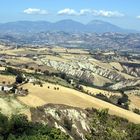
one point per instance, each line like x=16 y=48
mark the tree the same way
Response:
x=103 y=127
x=3 y=82
x=63 y=75
x=46 y=72
x=68 y=124
x=19 y=128
x=19 y=79
x=12 y=71
x=14 y=88
x=4 y=126
x=2 y=88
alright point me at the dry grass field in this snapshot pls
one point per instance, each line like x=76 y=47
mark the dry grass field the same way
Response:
x=100 y=64
x=20 y=51
x=135 y=101
x=7 y=79
x=58 y=49
x=95 y=91
x=10 y=51
x=42 y=95
x=65 y=50
x=100 y=80
x=116 y=65
x=2 y=68
x=10 y=105
x=21 y=60
x=56 y=58
x=51 y=93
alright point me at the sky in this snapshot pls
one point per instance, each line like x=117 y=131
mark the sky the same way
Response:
x=124 y=13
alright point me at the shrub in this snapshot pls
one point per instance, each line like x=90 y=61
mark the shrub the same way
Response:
x=68 y=124
x=19 y=128
x=19 y=79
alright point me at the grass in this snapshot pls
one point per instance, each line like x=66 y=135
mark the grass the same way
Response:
x=42 y=95
x=95 y=91
x=10 y=105
x=135 y=101
x=2 y=68
x=7 y=79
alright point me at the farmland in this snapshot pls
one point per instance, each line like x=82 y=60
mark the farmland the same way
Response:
x=39 y=96
x=56 y=74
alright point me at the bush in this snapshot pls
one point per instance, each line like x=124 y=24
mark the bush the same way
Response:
x=19 y=79
x=13 y=71
x=2 y=88
x=137 y=111
x=19 y=128
x=68 y=124
x=106 y=127
x=14 y=88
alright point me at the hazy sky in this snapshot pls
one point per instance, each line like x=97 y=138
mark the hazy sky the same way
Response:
x=125 y=13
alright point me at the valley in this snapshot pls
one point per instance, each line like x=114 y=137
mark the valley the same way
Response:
x=68 y=67
x=56 y=77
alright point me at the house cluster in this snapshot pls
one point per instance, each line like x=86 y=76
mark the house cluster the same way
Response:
x=10 y=89
x=21 y=92
x=5 y=88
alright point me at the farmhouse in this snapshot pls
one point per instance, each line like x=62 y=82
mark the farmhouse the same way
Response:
x=5 y=88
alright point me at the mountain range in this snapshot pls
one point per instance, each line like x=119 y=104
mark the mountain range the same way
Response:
x=67 y=25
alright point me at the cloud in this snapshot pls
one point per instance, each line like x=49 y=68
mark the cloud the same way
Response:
x=138 y=17
x=67 y=11
x=103 y=13
x=85 y=11
x=35 y=11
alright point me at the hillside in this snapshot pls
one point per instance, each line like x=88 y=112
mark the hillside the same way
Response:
x=56 y=85
x=61 y=122
x=70 y=97
x=53 y=74
x=86 y=124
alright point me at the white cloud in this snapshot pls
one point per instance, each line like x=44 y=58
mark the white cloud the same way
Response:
x=138 y=17
x=35 y=11
x=85 y=11
x=103 y=13
x=67 y=11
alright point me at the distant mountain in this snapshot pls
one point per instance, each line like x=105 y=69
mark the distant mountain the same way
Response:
x=69 y=26
x=101 y=26
x=25 y=26
x=97 y=26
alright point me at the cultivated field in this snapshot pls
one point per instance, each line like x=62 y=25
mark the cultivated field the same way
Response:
x=76 y=61
x=42 y=95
